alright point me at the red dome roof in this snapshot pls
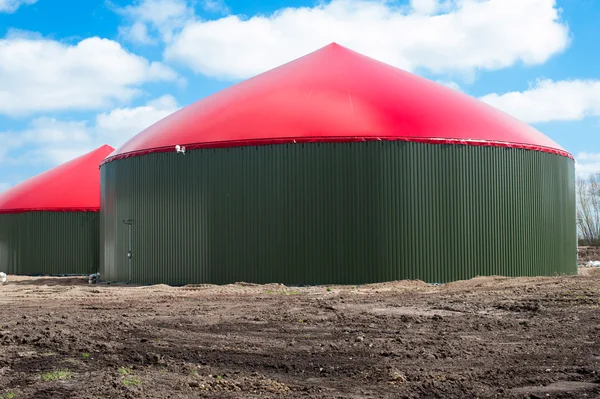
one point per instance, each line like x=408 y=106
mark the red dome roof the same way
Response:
x=72 y=186
x=335 y=94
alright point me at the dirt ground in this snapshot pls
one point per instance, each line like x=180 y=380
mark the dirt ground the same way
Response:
x=489 y=337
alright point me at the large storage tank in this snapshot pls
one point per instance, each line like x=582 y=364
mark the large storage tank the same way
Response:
x=49 y=224
x=336 y=168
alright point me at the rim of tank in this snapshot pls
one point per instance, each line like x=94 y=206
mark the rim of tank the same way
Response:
x=58 y=210
x=305 y=140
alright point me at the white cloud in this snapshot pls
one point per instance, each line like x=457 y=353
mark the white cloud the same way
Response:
x=38 y=74
x=430 y=7
x=154 y=20
x=215 y=6
x=451 y=84
x=587 y=156
x=468 y=35
x=121 y=124
x=163 y=16
x=587 y=164
x=49 y=130
x=54 y=141
x=548 y=100
x=137 y=33
x=11 y=6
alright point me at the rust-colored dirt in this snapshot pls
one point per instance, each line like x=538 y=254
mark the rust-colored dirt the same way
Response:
x=488 y=337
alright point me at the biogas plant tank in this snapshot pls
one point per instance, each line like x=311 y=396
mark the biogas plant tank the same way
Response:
x=336 y=169
x=49 y=224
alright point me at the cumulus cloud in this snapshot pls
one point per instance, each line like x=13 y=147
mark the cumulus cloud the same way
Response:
x=430 y=7
x=217 y=6
x=119 y=125
x=150 y=21
x=137 y=33
x=38 y=74
x=588 y=157
x=451 y=84
x=11 y=6
x=549 y=100
x=587 y=164
x=441 y=36
x=157 y=19
x=53 y=141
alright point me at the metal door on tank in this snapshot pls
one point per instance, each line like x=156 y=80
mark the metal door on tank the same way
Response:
x=129 y=223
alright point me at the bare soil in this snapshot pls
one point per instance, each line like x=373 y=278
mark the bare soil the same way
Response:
x=490 y=337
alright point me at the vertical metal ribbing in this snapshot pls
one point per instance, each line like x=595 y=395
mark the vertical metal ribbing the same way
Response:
x=339 y=213
x=49 y=243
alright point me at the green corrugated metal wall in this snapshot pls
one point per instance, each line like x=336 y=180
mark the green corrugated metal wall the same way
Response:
x=346 y=213
x=49 y=243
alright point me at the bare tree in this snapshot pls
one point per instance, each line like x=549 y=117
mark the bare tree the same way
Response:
x=588 y=209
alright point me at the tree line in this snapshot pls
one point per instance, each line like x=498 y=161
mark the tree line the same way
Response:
x=588 y=210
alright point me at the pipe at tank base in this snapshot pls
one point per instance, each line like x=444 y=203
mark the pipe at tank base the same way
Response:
x=94 y=278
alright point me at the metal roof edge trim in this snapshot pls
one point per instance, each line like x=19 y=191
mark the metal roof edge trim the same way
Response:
x=303 y=140
x=27 y=210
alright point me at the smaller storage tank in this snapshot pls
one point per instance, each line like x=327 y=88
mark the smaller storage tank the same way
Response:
x=49 y=224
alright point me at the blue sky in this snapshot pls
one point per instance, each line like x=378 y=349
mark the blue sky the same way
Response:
x=78 y=74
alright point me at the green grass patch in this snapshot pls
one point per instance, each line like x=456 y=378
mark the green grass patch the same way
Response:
x=8 y=395
x=85 y=355
x=124 y=370
x=132 y=381
x=56 y=375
